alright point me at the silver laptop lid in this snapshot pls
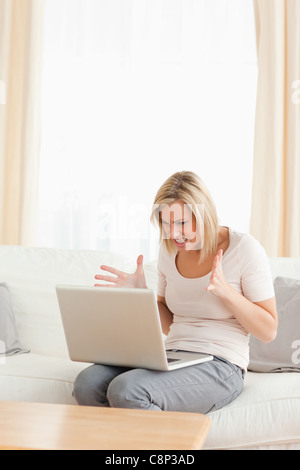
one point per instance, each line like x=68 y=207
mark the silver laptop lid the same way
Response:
x=115 y=326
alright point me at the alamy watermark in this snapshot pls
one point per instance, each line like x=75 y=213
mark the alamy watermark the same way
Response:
x=2 y=92
x=296 y=93
x=117 y=219
x=190 y=222
x=296 y=353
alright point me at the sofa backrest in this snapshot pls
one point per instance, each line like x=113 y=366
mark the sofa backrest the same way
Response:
x=286 y=267
x=32 y=274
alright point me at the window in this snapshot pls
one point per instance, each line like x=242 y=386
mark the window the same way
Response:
x=134 y=90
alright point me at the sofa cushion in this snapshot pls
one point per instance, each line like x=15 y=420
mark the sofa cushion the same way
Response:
x=266 y=413
x=9 y=340
x=37 y=378
x=282 y=354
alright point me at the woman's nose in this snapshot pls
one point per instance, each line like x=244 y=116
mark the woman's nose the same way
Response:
x=176 y=233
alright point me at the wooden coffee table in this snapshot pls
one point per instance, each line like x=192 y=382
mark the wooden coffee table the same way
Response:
x=69 y=427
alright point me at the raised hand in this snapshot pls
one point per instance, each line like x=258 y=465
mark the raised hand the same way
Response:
x=123 y=279
x=218 y=284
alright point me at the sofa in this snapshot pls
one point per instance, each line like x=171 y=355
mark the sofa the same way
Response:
x=265 y=416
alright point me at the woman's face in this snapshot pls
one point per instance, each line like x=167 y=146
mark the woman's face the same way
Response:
x=179 y=224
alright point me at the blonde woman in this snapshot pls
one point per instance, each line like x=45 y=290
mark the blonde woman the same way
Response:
x=214 y=289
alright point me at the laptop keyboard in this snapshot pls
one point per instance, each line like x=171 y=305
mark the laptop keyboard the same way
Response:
x=169 y=359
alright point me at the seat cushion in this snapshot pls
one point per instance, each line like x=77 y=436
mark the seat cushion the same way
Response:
x=267 y=413
x=37 y=378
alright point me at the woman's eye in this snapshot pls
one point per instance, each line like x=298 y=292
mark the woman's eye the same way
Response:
x=166 y=224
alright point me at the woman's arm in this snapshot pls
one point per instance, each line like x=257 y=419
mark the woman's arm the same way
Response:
x=259 y=318
x=166 y=316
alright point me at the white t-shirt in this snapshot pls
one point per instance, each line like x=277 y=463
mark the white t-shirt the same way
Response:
x=201 y=321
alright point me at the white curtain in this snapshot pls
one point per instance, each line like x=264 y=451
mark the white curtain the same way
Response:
x=134 y=90
x=275 y=218
x=21 y=40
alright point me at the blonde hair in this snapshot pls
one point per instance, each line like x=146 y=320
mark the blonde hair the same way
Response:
x=188 y=187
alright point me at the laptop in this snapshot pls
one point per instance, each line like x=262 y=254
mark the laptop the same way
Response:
x=118 y=326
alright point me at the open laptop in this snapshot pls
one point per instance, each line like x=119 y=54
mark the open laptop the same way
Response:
x=117 y=326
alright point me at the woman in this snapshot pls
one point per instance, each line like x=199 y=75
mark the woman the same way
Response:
x=214 y=289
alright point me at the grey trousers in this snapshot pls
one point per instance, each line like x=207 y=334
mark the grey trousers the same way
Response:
x=200 y=388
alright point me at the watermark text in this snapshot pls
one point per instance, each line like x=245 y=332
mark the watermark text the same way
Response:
x=296 y=353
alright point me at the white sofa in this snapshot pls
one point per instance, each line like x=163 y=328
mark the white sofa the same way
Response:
x=265 y=415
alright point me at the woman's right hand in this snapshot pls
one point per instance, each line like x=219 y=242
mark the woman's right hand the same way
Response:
x=123 y=279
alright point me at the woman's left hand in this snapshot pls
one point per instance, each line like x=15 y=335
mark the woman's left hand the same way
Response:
x=218 y=284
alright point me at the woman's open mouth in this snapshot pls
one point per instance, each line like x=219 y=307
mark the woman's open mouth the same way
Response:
x=180 y=241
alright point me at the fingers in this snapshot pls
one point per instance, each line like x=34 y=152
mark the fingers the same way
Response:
x=110 y=269
x=210 y=287
x=139 y=267
x=103 y=285
x=140 y=260
x=123 y=279
x=99 y=277
x=219 y=256
x=217 y=261
x=217 y=264
x=112 y=279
